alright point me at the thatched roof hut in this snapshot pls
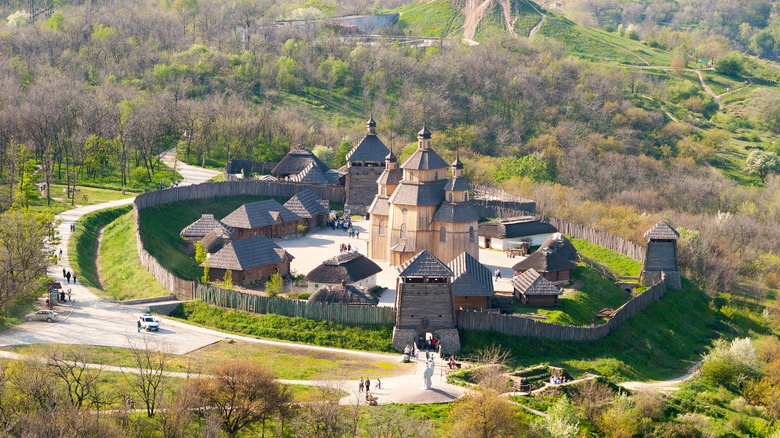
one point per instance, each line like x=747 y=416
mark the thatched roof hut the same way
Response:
x=307 y=205
x=560 y=244
x=216 y=239
x=201 y=227
x=296 y=161
x=550 y=264
x=350 y=267
x=344 y=294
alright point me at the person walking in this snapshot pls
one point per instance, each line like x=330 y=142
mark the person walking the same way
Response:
x=368 y=384
x=360 y=385
x=63 y=273
x=138 y=323
x=69 y=295
x=67 y=276
x=74 y=278
x=357 y=234
x=379 y=384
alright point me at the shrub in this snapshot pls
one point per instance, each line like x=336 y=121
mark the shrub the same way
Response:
x=139 y=175
x=227 y=281
x=274 y=285
x=609 y=28
x=562 y=421
x=730 y=65
x=726 y=361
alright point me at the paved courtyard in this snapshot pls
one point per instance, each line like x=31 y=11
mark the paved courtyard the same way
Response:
x=321 y=244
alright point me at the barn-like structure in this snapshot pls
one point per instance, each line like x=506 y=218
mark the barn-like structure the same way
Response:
x=310 y=207
x=263 y=218
x=251 y=260
x=661 y=256
x=472 y=283
x=197 y=230
x=348 y=268
x=550 y=264
x=534 y=290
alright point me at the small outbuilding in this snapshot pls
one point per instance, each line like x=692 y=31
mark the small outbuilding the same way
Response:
x=197 y=230
x=560 y=244
x=551 y=265
x=263 y=218
x=348 y=294
x=472 y=284
x=216 y=239
x=296 y=161
x=502 y=233
x=310 y=207
x=251 y=260
x=348 y=268
x=534 y=290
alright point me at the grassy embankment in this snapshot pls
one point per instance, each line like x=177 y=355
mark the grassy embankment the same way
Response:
x=124 y=277
x=286 y=363
x=432 y=19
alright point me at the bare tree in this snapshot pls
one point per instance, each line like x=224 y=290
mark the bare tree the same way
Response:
x=70 y=365
x=388 y=421
x=149 y=382
x=175 y=416
x=325 y=418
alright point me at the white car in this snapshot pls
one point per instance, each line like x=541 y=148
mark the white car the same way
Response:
x=42 y=315
x=149 y=322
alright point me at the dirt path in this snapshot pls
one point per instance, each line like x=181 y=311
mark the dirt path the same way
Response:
x=98 y=270
x=663 y=385
x=708 y=89
x=507 y=9
x=473 y=13
x=674 y=119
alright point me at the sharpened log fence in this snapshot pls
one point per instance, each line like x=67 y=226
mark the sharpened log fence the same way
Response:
x=339 y=313
x=522 y=326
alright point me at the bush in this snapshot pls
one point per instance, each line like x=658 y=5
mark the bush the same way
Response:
x=139 y=175
x=726 y=361
x=730 y=65
x=609 y=28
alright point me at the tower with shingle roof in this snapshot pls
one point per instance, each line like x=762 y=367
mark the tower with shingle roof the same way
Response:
x=365 y=163
x=661 y=256
x=424 y=303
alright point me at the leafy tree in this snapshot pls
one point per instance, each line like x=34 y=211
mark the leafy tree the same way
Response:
x=727 y=360
x=205 y=278
x=274 y=286
x=561 y=421
x=730 y=65
x=340 y=157
x=762 y=43
x=23 y=255
x=325 y=154
x=527 y=166
x=243 y=394
x=200 y=252
x=483 y=414
x=227 y=280
x=762 y=163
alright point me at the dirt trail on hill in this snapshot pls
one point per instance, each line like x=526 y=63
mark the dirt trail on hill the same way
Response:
x=473 y=13
x=539 y=24
x=507 y=9
x=708 y=89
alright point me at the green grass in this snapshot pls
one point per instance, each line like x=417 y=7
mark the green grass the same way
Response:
x=83 y=243
x=327 y=334
x=161 y=225
x=581 y=301
x=653 y=345
x=525 y=18
x=730 y=161
x=123 y=274
x=438 y=18
x=599 y=46
x=89 y=195
x=285 y=363
x=614 y=261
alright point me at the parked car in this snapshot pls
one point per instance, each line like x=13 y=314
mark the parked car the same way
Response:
x=42 y=315
x=149 y=322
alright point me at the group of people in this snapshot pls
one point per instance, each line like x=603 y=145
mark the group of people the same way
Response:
x=557 y=380
x=341 y=222
x=411 y=351
x=346 y=248
x=366 y=384
x=72 y=227
x=61 y=297
x=67 y=276
x=454 y=365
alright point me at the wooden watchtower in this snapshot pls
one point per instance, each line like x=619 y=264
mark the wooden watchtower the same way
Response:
x=424 y=303
x=661 y=256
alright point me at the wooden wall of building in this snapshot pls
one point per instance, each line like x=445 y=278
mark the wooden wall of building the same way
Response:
x=421 y=302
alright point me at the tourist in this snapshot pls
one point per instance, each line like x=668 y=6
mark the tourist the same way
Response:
x=357 y=234
x=74 y=278
x=368 y=385
x=138 y=324
x=407 y=351
x=349 y=247
x=63 y=273
x=69 y=295
x=360 y=385
x=379 y=384
x=62 y=296
x=67 y=276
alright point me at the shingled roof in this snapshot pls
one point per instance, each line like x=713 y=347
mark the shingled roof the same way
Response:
x=344 y=294
x=457 y=184
x=424 y=264
x=307 y=204
x=259 y=214
x=424 y=194
x=379 y=206
x=202 y=226
x=560 y=244
x=349 y=267
x=531 y=282
x=296 y=160
x=515 y=227
x=456 y=213
x=241 y=255
x=424 y=159
x=544 y=260
x=662 y=230
x=312 y=174
x=472 y=278
x=390 y=177
x=216 y=239
x=369 y=149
